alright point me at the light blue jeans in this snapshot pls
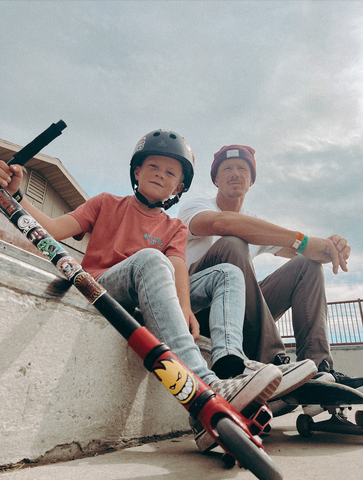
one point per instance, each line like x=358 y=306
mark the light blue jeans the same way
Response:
x=146 y=280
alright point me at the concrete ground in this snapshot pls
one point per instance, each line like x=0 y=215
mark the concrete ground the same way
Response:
x=324 y=456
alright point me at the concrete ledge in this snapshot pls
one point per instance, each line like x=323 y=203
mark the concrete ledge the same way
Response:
x=69 y=382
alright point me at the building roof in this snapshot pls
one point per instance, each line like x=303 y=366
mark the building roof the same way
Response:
x=53 y=170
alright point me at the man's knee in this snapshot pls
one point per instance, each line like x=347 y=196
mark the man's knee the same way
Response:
x=309 y=267
x=231 y=249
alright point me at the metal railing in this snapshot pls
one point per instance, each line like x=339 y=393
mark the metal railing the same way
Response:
x=345 y=324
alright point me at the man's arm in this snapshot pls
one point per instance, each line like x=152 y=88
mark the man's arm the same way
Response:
x=252 y=230
x=259 y=232
x=60 y=228
x=183 y=291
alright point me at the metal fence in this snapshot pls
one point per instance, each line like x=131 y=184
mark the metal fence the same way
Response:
x=345 y=324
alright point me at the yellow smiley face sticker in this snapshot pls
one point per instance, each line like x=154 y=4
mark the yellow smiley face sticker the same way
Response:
x=177 y=380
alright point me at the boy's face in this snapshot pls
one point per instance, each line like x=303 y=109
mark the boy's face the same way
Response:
x=159 y=177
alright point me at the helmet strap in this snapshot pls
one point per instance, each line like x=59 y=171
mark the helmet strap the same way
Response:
x=166 y=205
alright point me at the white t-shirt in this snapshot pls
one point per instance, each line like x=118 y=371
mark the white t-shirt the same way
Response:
x=198 y=246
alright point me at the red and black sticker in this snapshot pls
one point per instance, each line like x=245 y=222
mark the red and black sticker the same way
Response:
x=38 y=234
x=88 y=286
x=8 y=205
x=68 y=266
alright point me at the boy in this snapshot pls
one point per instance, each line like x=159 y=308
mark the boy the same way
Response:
x=137 y=252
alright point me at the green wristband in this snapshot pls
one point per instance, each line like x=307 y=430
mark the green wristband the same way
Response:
x=303 y=244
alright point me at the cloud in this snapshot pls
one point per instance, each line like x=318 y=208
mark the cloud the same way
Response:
x=282 y=77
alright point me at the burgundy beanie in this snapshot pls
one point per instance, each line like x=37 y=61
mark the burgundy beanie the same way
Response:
x=234 y=151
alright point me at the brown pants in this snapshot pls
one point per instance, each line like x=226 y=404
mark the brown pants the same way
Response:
x=298 y=284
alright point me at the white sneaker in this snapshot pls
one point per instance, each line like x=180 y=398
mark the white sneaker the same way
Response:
x=240 y=392
x=293 y=375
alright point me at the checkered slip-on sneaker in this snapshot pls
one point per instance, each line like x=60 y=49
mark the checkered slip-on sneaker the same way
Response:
x=240 y=391
x=294 y=375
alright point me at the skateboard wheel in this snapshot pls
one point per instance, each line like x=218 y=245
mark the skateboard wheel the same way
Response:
x=303 y=425
x=267 y=429
x=359 y=418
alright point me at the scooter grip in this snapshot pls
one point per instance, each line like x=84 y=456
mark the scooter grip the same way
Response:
x=34 y=147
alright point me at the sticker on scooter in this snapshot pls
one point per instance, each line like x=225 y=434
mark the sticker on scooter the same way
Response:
x=68 y=266
x=7 y=205
x=49 y=248
x=26 y=223
x=38 y=234
x=88 y=286
x=177 y=380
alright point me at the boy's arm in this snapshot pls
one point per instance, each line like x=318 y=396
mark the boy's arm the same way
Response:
x=183 y=291
x=60 y=228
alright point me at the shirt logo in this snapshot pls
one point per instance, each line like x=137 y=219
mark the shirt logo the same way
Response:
x=154 y=240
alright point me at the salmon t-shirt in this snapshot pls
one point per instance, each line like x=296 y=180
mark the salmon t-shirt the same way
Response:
x=119 y=228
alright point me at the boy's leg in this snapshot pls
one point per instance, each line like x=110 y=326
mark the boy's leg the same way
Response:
x=300 y=284
x=264 y=340
x=146 y=280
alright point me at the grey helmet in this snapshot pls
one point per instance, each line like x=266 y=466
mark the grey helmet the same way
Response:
x=168 y=144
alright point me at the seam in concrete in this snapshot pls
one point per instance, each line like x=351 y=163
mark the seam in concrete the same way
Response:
x=74 y=451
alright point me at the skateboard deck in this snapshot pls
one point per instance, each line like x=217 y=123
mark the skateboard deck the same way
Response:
x=332 y=397
x=325 y=394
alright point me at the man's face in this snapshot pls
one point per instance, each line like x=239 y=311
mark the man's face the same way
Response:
x=159 y=177
x=233 y=178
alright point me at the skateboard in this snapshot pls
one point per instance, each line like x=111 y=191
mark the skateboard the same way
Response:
x=333 y=398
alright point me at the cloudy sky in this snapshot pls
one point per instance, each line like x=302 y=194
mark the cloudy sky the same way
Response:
x=285 y=77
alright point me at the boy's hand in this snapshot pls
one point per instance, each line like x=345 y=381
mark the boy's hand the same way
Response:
x=10 y=177
x=193 y=324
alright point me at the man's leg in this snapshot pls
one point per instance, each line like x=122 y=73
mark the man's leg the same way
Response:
x=146 y=280
x=222 y=288
x=300 y=284
x=263 y=340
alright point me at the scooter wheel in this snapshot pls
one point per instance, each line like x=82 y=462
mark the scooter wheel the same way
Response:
x=303 y=425
x=246 y=452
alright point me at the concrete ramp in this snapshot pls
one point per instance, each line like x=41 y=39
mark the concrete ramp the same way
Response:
x=69 y=384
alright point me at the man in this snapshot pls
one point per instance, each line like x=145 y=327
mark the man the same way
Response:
x=221 y=231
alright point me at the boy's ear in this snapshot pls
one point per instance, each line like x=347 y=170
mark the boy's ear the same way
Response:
x=136 y=171
x=178 y=189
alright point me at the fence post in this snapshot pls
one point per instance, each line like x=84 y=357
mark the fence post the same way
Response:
x=360 y=309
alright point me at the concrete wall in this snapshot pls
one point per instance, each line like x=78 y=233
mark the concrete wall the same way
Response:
x=347 y=359
x=69 y=383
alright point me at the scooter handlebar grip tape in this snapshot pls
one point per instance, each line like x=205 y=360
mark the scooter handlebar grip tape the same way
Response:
x=36 y=145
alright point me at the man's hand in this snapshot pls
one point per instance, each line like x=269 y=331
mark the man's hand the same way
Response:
x=343 y=248
x=326 y=251
x=10 y=177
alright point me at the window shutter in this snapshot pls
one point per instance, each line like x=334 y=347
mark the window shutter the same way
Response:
x=37 y=187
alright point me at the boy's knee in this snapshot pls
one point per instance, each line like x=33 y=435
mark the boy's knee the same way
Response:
x=153 y=258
